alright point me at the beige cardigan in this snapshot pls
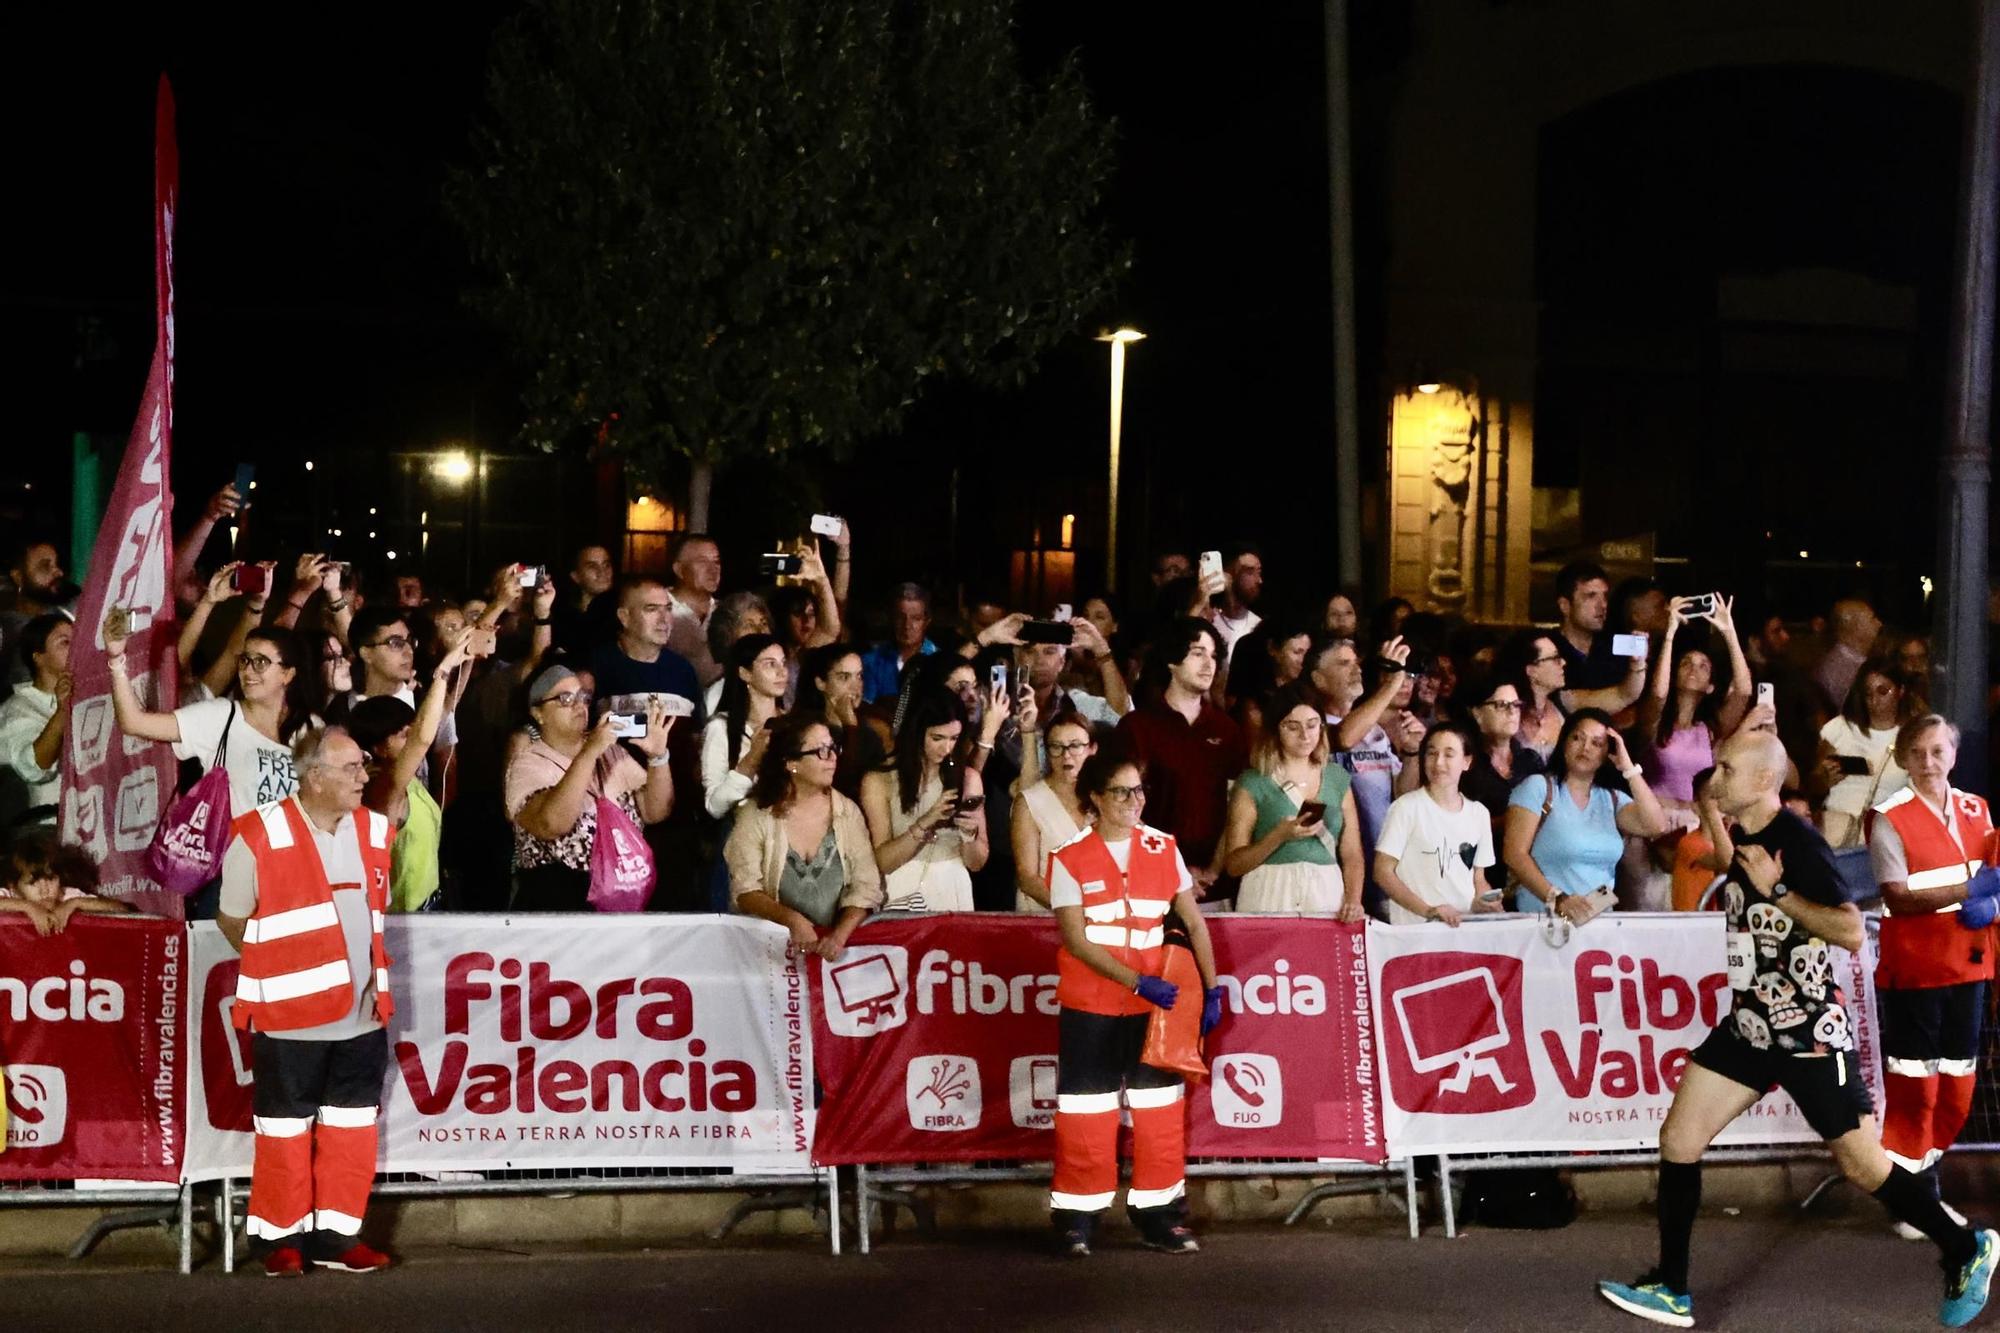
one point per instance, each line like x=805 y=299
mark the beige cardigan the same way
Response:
x=757 y=846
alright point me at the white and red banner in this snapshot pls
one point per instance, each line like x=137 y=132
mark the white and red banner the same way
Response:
x=114 y=788
x=1495 y=1040
x=936 y=1041
x=557 y=1041
x=92 y=1043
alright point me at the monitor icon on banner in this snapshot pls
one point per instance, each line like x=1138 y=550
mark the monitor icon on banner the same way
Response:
x=943 y=1093
x=867 y=991
x=1459 y=1045
x=37 y=1106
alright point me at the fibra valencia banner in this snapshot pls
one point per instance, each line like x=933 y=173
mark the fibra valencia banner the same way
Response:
x=557 y=1041
x=1492 y=1039
x=936 y=1041
x=93 y=1045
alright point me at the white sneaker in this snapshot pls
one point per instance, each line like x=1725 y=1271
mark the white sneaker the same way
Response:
x=1908 y=1232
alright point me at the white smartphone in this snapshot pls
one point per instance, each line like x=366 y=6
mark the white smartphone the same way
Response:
x=628 y=726
x=826 y=525
x=1628 y=645
x=1062 y=611
x=1210 y=563
x=1767 y=693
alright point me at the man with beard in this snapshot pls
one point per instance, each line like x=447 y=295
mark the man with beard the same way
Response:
x=36 y=587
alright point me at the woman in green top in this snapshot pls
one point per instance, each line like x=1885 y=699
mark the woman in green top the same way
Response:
x=1292 y=836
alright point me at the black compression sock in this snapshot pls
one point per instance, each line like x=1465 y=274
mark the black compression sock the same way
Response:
x=1680 y=1197
x=1908 y=1199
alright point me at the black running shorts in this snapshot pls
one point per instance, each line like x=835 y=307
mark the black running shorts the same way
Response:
x=1828 y=1088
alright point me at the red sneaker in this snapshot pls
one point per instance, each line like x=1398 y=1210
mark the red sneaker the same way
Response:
x=356 y=1258
x=285 y=1261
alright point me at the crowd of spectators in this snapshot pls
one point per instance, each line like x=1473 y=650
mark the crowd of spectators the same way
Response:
x=1308 y=752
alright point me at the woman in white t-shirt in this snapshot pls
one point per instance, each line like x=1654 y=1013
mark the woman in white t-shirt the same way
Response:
x=1049 y=813
x=249 y=731
x=1857 y=750
x=1435 y=844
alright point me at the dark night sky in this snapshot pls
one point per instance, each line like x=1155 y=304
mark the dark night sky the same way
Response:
x=319 y=279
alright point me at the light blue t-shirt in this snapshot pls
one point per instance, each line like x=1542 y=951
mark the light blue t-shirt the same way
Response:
x=1578 y=850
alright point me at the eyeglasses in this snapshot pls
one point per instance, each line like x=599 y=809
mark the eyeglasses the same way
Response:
x=394 y=643
x=255 y=662
x=1504 y=705
x=1544 y=661
x=1126 y=793
x=1068 y=747
x=566 y=698
x=357 y=769
x=829 y=752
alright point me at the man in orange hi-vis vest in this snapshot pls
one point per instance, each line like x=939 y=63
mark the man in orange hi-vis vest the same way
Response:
x=1929 y=848
x=1111 y=888
x=305 y=883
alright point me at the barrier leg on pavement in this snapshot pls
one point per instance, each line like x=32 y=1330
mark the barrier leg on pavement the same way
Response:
x=1444 y=1197
x=864 y=1205
x=1826 y=1183
x=225 y=1211
x=1336 y=1189
x=765 y=1201
x=166 y=1214
x=187 y=1230
x=833 y=1208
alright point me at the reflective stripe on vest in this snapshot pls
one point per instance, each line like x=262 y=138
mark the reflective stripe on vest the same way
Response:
x=295 y=972
x=1920 y=949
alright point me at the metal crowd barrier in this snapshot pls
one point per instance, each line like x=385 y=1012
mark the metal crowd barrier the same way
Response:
x=869 y=1182
x=148 y=1205
x=1587 y=1160
x=774 y=1192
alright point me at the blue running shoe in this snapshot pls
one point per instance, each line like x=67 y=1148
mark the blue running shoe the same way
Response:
x=1965 y=1290
x=1649 y=1298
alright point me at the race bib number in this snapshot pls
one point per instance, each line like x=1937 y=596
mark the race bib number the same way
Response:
x=1742 y=955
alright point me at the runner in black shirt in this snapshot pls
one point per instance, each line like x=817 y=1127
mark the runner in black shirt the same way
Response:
x=1788 y=1028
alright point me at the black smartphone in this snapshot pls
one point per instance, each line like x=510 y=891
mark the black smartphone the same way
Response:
x=1048 y=631
x=1310 y=811
x=248 y=579
x=967 y=804
x=773 y=563
x=246 y=477
x=1853 y=765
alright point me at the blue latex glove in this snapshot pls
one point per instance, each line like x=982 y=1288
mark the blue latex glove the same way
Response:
x=1985 y=884
x=1211 y=1009
x=1158 y=991
x=1978 y=913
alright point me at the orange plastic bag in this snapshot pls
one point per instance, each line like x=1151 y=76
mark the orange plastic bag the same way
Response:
x=1173 y=1036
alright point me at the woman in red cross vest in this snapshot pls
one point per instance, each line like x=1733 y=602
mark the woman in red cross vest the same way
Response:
x=1930 y=848
x=1111 y=888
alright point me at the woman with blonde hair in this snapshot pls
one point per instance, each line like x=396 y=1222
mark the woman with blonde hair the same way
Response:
x=1292 y=833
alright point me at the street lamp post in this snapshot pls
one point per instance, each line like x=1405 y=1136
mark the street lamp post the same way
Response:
x=1118 y=340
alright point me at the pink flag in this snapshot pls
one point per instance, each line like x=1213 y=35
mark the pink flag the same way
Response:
x=114 y=787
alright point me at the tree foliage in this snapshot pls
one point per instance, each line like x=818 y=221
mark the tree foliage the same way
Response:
x=741 y=227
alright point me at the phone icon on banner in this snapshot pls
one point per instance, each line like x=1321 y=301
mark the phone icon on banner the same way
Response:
x=1031 y=1091
x=1248 y=1092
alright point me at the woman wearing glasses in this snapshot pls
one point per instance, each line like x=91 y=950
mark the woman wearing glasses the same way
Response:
x=800 y=853
x=555 y=775
x=248 y=731
x=1534 y=661
x=1499 y=760
x=1048 y=813
x=1566 y=829
x=1111 y=890
x=1293 y=835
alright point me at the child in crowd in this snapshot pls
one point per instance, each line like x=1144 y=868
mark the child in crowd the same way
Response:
x=50 y=883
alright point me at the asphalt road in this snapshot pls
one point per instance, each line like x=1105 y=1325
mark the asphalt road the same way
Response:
x=1751 y=1273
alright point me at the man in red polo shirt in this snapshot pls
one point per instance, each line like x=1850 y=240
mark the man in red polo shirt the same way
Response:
x=1189 y=749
